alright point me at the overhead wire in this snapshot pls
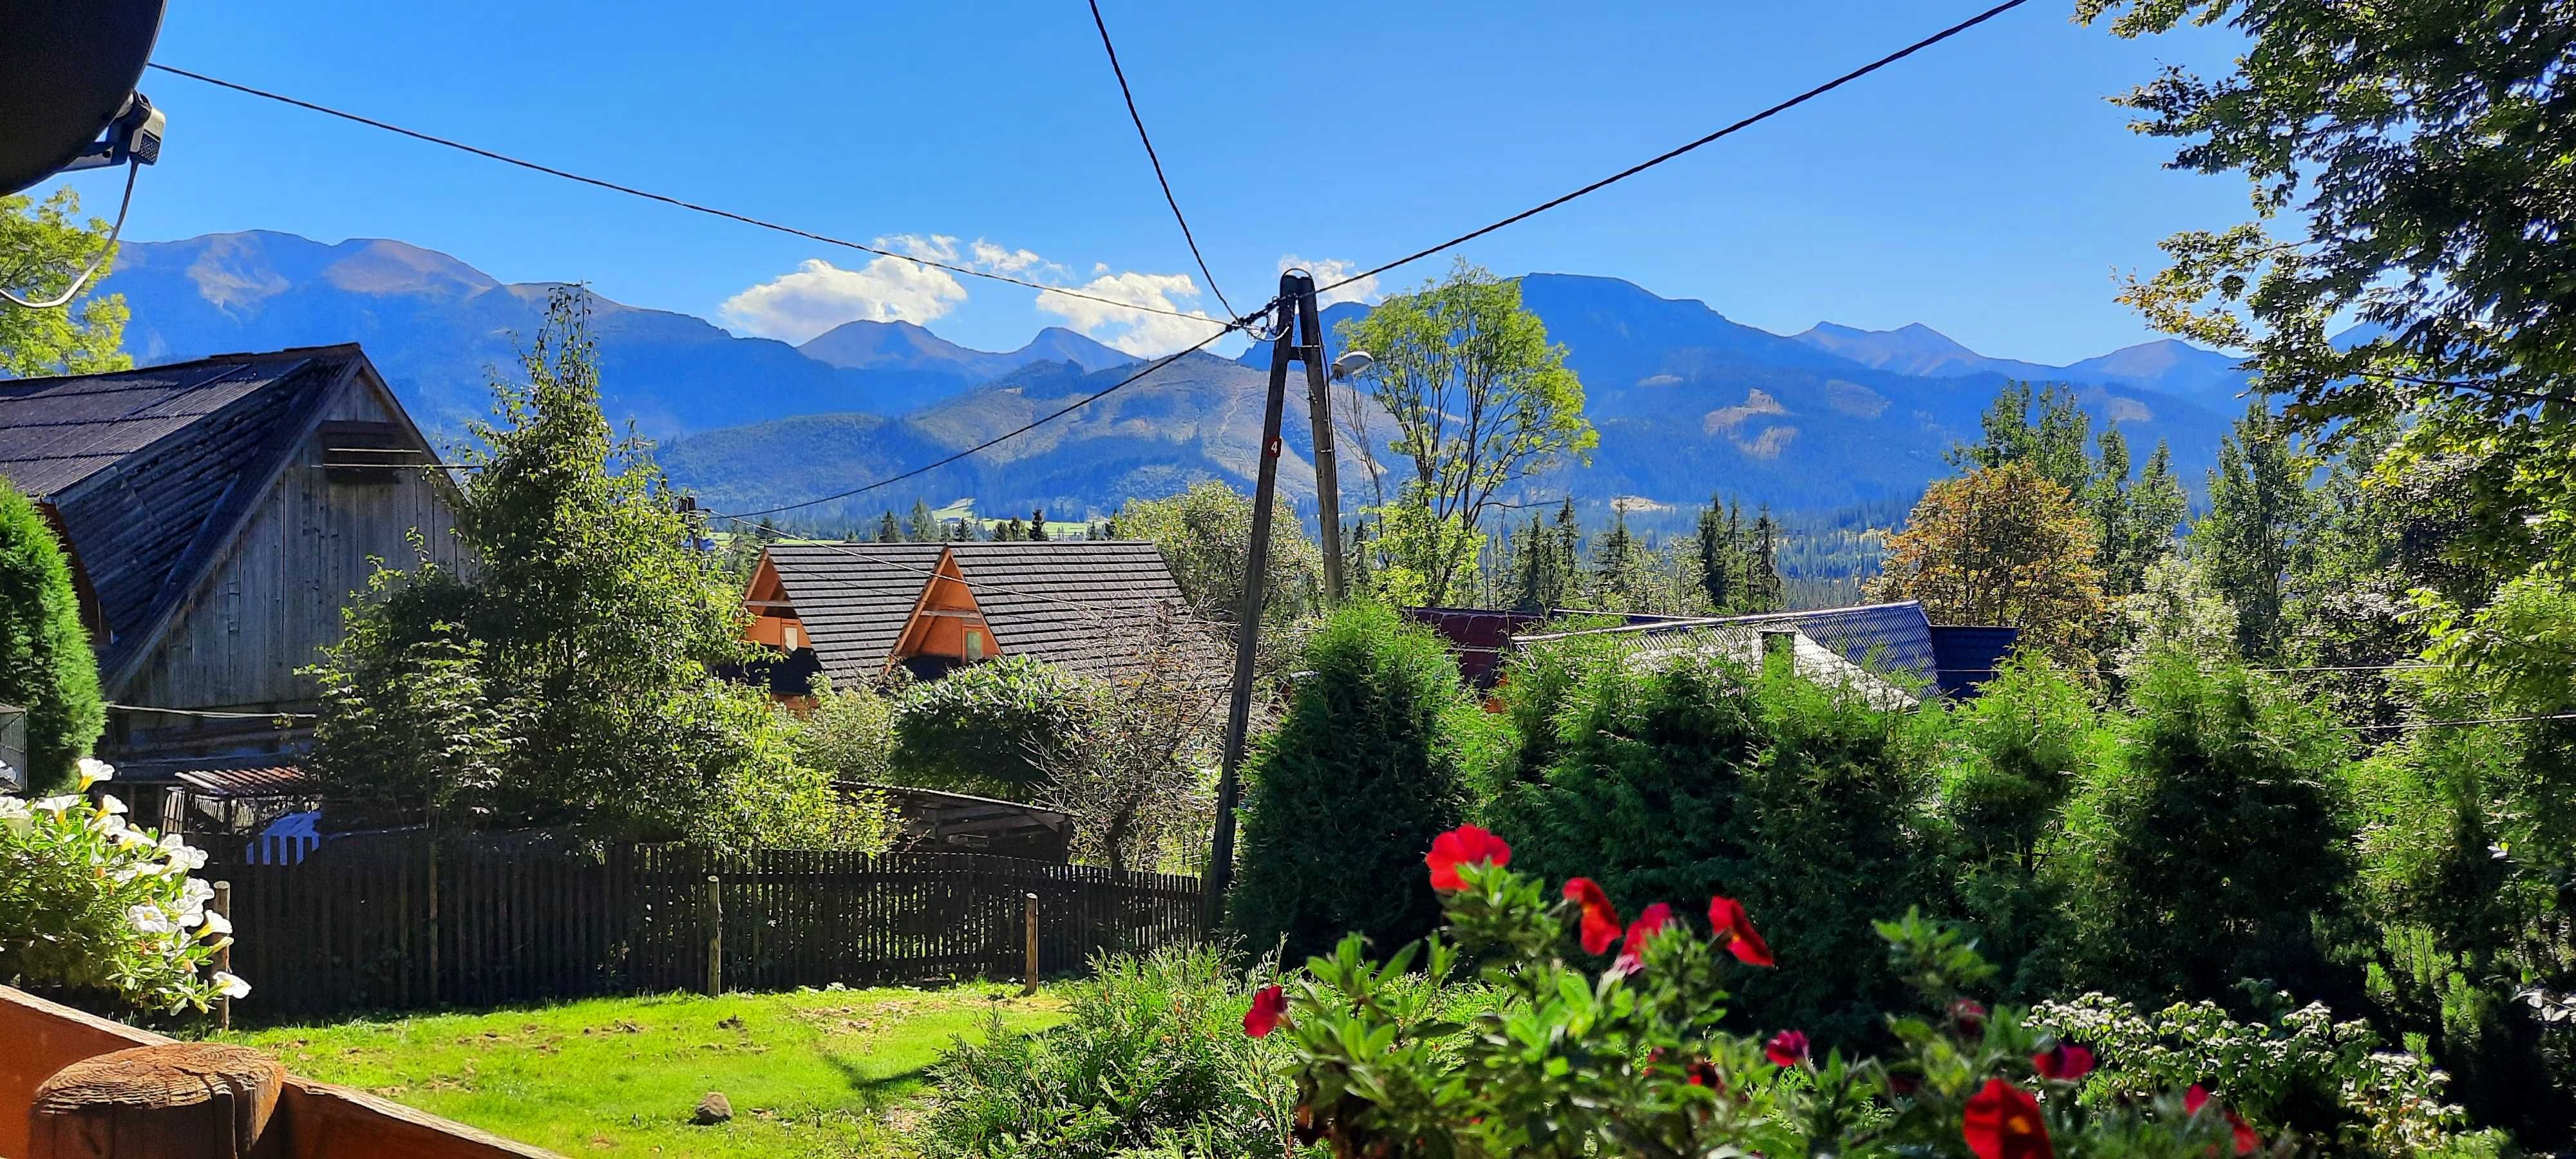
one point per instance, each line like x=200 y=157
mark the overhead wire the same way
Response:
x=692 y=206
x=1156 y=158
x=1667 y=155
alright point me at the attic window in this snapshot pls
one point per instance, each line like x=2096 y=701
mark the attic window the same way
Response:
x=357 y=452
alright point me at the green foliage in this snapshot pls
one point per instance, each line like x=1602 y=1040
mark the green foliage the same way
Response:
x=988 y=727
x=91 y=903
x=1704 y=778
x=586 y=631
x=45 y=662
x=2031 y=735
x=848 y=733
x=1564 y=1062
x=1481 y=401
x=2002 y=545
x=2211 y=848
x=1151 y=1060
x=1205 y=535
x=2260 y=516
x=2333 y=1082
x=43 y=246
x=1361 y=774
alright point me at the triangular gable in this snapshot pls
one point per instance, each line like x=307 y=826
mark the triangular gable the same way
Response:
x=947 y=621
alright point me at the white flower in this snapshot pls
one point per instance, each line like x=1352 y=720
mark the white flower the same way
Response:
x=57 y=805
x=131 y=837
x=216 y=924
x=196 y=893
x=107 y=803
x=111 y=824
x=184 y=858
x=231 y=986
x=13 y=815
x=148 y=919
x=93 y=771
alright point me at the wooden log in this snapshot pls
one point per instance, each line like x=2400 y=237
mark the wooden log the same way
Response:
x=715 y=937
x=1029 y=919
x=182 y=1100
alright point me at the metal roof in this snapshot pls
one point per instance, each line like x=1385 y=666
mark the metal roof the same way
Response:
x=260 y=781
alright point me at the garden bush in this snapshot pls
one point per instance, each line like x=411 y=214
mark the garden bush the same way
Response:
x=2334 y=1083
x=1584 y=1054
x=1705 y=777
x=1366 y=767
x=2213 y=847
x=93 y=904
x=45 y=662
x=1150 y=1059
x=2030 y=736
x=988 y=727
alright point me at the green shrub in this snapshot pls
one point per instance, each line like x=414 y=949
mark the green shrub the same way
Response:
x=45 y=662
x=1574 y=1054
x=2332 y=1082
x=2019 y=748
x=1362 y=773
x=849 y=734
x=987 y=727
x=2213 y=848
x=1151 y=1059
x=1704 y=777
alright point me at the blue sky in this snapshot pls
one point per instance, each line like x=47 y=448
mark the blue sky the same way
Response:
x=1983 y=187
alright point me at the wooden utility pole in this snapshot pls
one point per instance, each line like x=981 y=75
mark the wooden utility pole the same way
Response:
x=1319 y=414
x=1297 y=318
x=1247 y=636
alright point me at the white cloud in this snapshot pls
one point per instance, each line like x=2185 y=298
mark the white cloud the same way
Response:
x=1330 y=270
x=1134 y=331
x=820 y=296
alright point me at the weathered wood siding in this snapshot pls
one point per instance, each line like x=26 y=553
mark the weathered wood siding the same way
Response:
x=276 y=597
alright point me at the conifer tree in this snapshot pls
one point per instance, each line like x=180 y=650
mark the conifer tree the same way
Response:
x=889 y=531
x=1762 y=587
x=923 y=527
x=1037 y=525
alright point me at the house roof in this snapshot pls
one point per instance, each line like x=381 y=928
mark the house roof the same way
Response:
x=150 y=472
x=1893 y=638
x=853 y=599
x=1741 y=641
x=1072 y=602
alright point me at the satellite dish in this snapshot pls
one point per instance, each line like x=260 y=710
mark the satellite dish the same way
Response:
x=67 y=72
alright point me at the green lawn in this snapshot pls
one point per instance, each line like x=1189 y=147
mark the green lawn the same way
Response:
x=812 y=1073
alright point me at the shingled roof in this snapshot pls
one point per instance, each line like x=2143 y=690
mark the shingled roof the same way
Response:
x=854 y=599
x=1074 y=602
x=148 y=471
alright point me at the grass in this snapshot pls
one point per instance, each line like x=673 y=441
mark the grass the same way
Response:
x=810 y=1073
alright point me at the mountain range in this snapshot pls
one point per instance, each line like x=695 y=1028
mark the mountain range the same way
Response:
x=1688 y=402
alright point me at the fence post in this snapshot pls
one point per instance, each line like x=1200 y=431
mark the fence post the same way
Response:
x=1029 y=919
x=222 y=905
x=715 y=937
x=433 y=919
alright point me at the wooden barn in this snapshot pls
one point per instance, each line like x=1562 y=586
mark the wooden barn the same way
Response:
x=219 y=515
x=855 y=611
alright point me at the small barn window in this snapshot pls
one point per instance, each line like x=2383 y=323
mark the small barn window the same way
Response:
x=356 y=452
x=974 y=644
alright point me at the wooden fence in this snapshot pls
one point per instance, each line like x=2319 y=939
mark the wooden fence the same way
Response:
x=404 y=924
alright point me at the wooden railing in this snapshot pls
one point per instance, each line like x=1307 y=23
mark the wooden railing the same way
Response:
x=393 y=925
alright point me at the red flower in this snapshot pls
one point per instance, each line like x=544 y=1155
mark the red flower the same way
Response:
x=1600 y=922
x=1464 y=845
x=2002 y=1122
x=2063 y=1063
x=1971 y=1017
x=2246 y=1140
x=1787 y=1048
x=1632 y=953
x=1703 y=1073
x=1269 y=1009
x=1735 y=932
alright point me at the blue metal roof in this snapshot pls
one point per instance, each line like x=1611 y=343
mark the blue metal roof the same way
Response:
x=1895 y=639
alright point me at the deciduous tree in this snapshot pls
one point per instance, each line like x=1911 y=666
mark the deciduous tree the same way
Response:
x=2002 y=545
x=43 y=246
x=1480 y=401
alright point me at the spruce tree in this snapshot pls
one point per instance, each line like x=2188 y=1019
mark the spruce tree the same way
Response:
x=1616 y=579
x=1762 y=587
x=1343 y=799
x=1720 y=556
x=1037 y=525
x=923 y=527
x=889 y=531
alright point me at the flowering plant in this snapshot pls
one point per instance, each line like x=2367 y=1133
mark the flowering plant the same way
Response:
x=89 y=901
x=1578 y=1056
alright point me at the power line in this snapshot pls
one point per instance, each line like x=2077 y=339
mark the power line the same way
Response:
x=666 y=199
x=1156 y=158
x=2416 y=724
x=1025 y=428
x=1642 y=166
x=211 y=714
